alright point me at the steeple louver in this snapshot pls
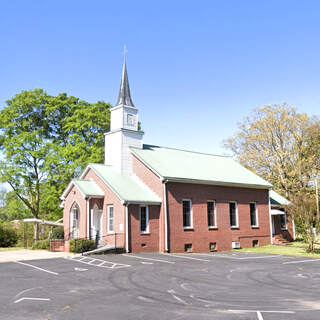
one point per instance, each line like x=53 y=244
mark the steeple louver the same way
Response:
x=124 y=94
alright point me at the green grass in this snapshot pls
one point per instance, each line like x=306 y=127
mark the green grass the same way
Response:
x=12 y=248
x=295 y=248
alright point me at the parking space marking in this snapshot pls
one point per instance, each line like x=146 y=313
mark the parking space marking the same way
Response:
x=259 y=315
x=100 y=263
x=301 y=261
x=236 y=258
x=38 y=268
x=37 y=299
x=184 y=257
x=145 y=258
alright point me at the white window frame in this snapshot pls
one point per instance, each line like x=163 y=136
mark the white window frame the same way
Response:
x=215 y=214
x=108 y=220
x=131 y=117
x=237 y=216
x=75 y=232
x=256 y=211
x=191 y=214
x=147 y=220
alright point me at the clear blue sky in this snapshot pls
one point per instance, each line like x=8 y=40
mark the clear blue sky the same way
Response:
x=195 y=67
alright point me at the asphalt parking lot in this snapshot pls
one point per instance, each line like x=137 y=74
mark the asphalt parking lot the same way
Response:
x=224 y=285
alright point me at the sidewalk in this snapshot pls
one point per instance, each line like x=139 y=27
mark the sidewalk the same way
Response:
x=25 y=254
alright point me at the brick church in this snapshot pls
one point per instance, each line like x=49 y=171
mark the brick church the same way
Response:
x=152 y=198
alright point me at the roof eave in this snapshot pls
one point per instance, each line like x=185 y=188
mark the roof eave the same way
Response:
x=218 y=183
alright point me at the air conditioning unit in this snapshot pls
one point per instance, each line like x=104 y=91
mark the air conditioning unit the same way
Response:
x=236 y=245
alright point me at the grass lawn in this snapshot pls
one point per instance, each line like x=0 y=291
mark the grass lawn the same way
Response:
x=12 y=248
x=295 y=248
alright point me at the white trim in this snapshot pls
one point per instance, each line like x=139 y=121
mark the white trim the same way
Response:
x=165 y=208
x=147 y=219
x=191 y=213
x=146 y=164
x=88 y=220
x=237 y=216
x=256 y=211
x=215 y=226
x=72 y=183
x=270 y=219
x=108 y=218
x=127 y=228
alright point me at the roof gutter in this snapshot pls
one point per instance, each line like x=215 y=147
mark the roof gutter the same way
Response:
x=218 y=183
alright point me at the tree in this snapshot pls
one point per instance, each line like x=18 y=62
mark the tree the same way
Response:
x=278 y=144
x=306 y=218
x=47 y=140
x=13 y=208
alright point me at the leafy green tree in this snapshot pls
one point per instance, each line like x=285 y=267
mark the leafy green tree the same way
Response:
x=278 y=143
x=47 y=140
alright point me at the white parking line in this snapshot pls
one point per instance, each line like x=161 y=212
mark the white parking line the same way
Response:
x=229 y=257
x=101 y=263
x=184 y=257
x=259 y=315
x=144 y=258
x=37 y=299
x=301 y=261
x=35 y=267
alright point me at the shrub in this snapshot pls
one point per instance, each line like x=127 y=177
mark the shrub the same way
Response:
x=8 y=237
x=57 y=233
x=41 y=244
x=82 y=245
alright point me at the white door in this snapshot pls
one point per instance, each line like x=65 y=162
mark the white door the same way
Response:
x=96 y=222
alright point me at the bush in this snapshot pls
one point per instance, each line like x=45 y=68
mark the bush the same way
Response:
x=8 y=237
x=57 y=233
x=82 y=245
x=41 y=244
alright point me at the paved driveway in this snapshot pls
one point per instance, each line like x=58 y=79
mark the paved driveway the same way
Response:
x=235 y=286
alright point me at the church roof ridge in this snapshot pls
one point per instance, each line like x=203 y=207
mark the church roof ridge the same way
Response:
x=184 y=150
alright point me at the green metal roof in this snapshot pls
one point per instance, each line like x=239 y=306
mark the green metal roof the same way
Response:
x=277 y=199
x=174 y=164
x=88 y=187
x=127 y=187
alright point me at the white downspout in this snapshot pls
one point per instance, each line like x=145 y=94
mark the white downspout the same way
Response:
x=127 y=228
x=270 y=218
x=165 y=216
x=88 y=214
x=293 y=229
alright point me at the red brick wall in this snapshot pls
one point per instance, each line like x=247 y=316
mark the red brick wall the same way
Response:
x=285 y=233
x=75 y=196
x=200 y=235
x=151 y=239
x=156 y=185
x=119 y=210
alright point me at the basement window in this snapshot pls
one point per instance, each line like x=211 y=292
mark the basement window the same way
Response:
x=213 y=246
x=188 y=247
x=255 y=243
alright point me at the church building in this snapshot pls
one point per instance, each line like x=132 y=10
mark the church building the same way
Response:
x=153 y=198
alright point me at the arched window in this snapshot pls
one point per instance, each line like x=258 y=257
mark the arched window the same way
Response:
x=75 y=222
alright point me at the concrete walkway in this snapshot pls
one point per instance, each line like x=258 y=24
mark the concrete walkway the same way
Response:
x=25 y=254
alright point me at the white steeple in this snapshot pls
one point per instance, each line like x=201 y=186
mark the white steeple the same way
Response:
x=123 y=132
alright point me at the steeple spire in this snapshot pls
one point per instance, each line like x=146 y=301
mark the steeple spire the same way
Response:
x=124 y=93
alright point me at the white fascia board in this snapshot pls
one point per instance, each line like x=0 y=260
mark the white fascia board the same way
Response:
x=218 y=183
x=155 y=203
x=107 y=184
x=148 y=166
x=65 y=193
